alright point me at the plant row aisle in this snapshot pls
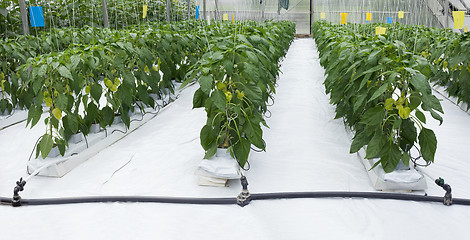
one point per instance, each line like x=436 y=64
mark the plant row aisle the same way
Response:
x=304 y=143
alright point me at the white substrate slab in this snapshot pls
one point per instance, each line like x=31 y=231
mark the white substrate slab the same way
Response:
x=404 y=180
x=306 y=151
x=442 y=92
x=76 y=154
x=18 y=116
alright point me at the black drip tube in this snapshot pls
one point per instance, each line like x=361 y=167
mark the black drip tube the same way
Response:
x=243 y=199
x=233 y=201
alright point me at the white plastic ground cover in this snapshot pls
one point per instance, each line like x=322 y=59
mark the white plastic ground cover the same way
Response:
x=306 y=151
x=82 y=148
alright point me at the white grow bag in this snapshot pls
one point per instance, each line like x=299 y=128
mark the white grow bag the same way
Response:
x=217 y=170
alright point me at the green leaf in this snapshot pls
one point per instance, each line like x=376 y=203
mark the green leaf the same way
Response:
x=199 y=99
x=64 y=72
x=397 y=123
x=415 y=100
x=206 y=83
x=408 y=134
x=75 y=60
x=42 y=71
x=361 y=139
x=96 y=91
x=61 y=144
x=92 y=112
x=125 y=118
x=420 y=116
x=217 y=56
x=218 y=98
x=108 y=115
x=228 y=65
x=432 y=101
x=436 y=116
x=405 y=158
x=71 y=122
x=61 y=101
x=359 y=101
x=242 y=150
x=125 y=95
x=379 y=92
x=390 y=157
x=208 y=137
x=3 y=11
x=144 y=95
x=34 y=114
x=375 y=145
x=373 y=58
x=211 y=151
x=129 y=79
x=420 y=82
x=253 y=92
x=373 y=116
x=428 y=144
x=45 y=145
x=254 y=133
x=252 y=56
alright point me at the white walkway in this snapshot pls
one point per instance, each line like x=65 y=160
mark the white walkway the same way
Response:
x=306 y=151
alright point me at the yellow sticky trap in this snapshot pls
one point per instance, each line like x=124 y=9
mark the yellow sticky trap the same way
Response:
x=322 y=15
x=225 y=17
x=459 y=18
x=401 y=14
x=369 y=16
x=233 y=17
x=466 y=28
x=144 y=14
x=380 y=30
x=344 y=17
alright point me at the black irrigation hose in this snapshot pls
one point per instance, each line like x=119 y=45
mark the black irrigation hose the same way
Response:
x=134 y=199
x=233 y=201
x=369 y=195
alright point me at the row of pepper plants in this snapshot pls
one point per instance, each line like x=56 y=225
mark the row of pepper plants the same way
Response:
x=124 y=67
x=80 y=13
x=447 y=52
x=381 y=88
x=237 y=77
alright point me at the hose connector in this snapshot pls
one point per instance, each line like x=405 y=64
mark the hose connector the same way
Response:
x=244 y=198
x=16 y=200
x=448 y=196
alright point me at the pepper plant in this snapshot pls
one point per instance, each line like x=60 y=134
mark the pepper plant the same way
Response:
x=236 y=77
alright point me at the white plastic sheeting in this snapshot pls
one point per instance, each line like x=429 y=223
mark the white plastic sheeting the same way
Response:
x=306 y=151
